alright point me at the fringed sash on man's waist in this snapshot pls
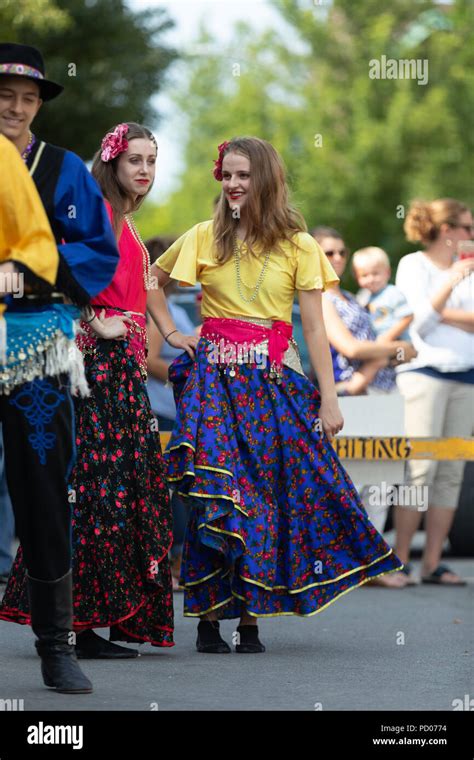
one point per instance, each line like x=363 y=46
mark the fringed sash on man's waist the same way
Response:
x=39 y=342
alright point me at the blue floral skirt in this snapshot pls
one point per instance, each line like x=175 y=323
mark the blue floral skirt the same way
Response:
x=276 y=525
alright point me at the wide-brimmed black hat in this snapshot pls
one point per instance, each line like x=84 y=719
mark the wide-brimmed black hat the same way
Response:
x=26 y=61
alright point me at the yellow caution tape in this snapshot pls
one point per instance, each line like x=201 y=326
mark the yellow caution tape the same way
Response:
x=394 y=447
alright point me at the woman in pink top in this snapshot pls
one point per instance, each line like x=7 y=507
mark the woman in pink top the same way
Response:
x=121 y=517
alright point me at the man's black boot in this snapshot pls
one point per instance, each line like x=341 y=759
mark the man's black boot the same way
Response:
x=51 y=621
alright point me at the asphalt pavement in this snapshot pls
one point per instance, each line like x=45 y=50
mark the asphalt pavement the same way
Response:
x=373 y=649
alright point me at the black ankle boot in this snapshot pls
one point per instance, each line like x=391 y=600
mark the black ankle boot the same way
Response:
x=51 y=621
x=249 y=643
x=209 y=639
x=90 y=646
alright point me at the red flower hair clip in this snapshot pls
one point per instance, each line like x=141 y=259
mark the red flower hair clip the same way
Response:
x=114 y=143
x=218 y=164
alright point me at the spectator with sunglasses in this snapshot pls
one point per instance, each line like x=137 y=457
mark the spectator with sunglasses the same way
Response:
x=438 y=386
x=361 y=363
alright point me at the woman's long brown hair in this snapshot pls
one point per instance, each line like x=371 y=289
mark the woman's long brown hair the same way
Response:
x=106 y=175
x=270 y=217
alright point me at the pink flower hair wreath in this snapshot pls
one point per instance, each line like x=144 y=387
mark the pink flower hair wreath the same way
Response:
x=114 y=143
x=217 y=171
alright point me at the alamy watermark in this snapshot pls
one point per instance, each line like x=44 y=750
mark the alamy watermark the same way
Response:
x=12 y=283
x=467 y=703
x=42 y=733
x=12 y=705
x=400 y=496
x=233 y=353
x=402 y=68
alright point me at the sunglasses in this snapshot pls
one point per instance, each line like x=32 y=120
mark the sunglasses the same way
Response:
x=342 y=253
x=468 y=227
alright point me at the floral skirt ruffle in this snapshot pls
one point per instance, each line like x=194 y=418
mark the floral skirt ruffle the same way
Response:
x=121 y=518
x=276 y=525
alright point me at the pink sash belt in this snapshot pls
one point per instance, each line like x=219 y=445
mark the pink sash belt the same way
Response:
x=237 y=332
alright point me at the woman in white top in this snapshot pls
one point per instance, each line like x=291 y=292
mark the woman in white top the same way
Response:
x=437 y=385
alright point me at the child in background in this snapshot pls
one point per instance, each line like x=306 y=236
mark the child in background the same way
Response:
x=391 y=315
x=389 y=311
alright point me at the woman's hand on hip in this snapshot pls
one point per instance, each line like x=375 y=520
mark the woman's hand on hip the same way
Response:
x=186 y=342
x=111 y=328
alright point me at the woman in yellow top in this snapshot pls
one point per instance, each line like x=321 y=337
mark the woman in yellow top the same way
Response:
x=276 y=525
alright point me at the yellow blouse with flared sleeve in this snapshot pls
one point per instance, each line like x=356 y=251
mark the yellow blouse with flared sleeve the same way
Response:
x=25 y=233
x=302 y=265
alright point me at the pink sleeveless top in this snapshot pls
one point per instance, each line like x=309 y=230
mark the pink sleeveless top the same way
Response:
x=126 y=292
x=127 y=289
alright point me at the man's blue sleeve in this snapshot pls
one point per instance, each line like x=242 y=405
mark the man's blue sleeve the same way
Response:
x=88 y=248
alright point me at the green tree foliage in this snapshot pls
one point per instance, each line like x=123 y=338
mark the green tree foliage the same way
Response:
x=385 y=141
x=17 y=15
x=110 y=60
x=242 y=89
x=357 y=149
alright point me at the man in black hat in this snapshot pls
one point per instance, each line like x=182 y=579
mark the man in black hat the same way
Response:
x=36 y=405
x=71 y=197
x=23 y=66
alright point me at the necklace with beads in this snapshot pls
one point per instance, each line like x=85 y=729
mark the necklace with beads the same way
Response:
x=237 y=252
x=29 y=147
x=145 y=253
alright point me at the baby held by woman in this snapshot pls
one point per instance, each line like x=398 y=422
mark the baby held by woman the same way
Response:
x=388 y=308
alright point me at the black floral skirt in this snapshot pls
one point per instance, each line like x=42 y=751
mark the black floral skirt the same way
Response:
x=121 y=517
